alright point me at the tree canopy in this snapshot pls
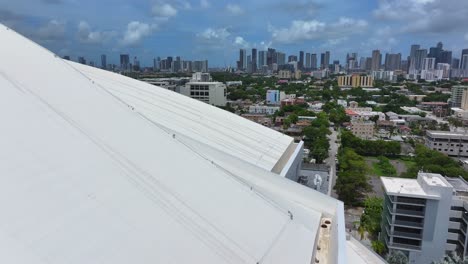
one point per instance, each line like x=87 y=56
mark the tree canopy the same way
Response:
x=351 y=184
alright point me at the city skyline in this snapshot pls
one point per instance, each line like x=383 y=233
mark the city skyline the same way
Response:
x=149 y=29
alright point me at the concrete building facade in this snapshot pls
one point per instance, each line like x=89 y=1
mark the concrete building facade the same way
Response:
x=450 y=143
x=356 y=81
x=425 y=218
x=457 y=94
x=363 y=129
x=213 y=93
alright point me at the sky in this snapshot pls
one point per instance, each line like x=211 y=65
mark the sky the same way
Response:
x=216 y=30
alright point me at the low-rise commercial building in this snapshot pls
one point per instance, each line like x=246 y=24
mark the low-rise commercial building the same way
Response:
x=263 y=109
x=425 y=218
x=213 y=93
x=274 y=97
x=284 y=74
x=450 y=143
x=363 y=129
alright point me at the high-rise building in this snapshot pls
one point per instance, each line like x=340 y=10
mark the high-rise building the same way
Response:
x=368 y=64
x=419 y=57
x=351 y=61
x=412 y=56
x=136 y=64
x=446 y=57
x=124 y=62
x=404 y=65
x=464 y=62
x=242 y=62
x=280 y=58
x=254 y=60
x=414 y=48
x=435 y=52
x=156 y=63
x=292 y=58
x=200 y=66
x=455 y=63
x=376 y=60
x=392 y=62
x=313 y=61
x=271 y=57
x=249 y=64
x=103 y=61
x=301 y=60
x=457 y=94
x=262 y=55
x=325 y=60
x=307 y=61
x=82 y=60
x=362 y=63
x=428 y=64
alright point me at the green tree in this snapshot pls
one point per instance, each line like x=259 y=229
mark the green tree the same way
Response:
x=378 y=246
x=396 y=257
x=372 y=215
x=451 y=258
x=351 y=184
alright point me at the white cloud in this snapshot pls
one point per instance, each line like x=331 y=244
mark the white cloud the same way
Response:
x=241 y=42
x=163 y=10
x=53 y=30
x=234 y=9
x=301 y=30
x=136 y=31
x=211 y=34
x=466 y=36
x=382 y=39
x=424 y=16
x=85 y=35
x=298 y=31
x=204 y=4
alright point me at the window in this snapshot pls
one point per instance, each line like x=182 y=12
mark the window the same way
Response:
x=457 y=208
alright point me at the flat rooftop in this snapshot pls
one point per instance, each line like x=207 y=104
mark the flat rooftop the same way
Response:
x=459 y=184
x=401 y=186
x=433 y=179
x=447 y=134
x=414 y=187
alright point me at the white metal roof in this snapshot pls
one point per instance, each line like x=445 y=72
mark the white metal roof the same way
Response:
x=84 y=178
x=228 y=132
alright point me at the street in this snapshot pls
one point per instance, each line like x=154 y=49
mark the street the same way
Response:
x=330 y=161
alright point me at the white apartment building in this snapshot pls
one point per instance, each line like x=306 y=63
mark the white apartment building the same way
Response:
x=425 y=218
x=263 y=109
x=213 y=93
x=450 y=143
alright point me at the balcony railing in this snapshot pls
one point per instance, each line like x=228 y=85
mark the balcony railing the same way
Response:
x=408 y=224
x=403 y=246
x=465 y=217
x=403 y=200
x=407 y=235
x=409 y=212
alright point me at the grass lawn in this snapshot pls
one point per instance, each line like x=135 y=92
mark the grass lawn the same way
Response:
x=408 y=163
x=376 y=169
